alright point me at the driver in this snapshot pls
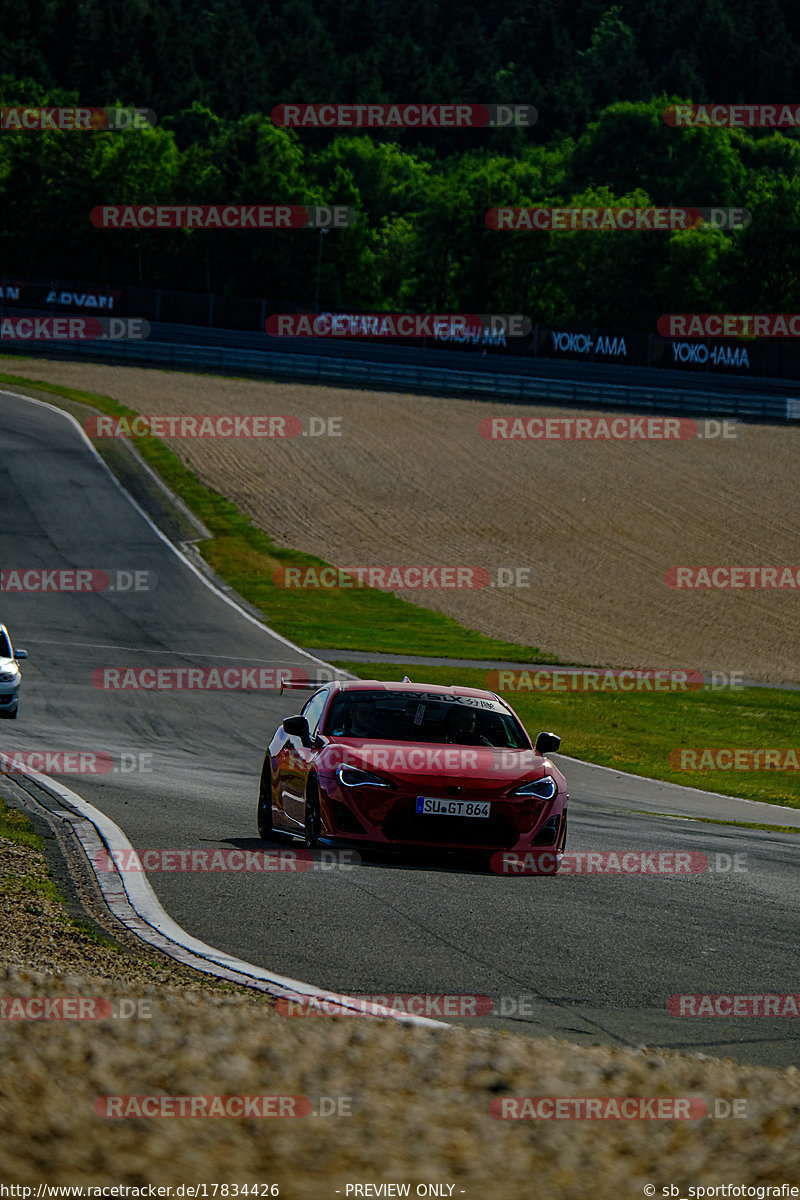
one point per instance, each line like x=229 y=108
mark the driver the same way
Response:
x=362 y=719
x=463 y=728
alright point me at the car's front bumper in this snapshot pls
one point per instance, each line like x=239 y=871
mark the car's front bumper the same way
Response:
x=515 y=825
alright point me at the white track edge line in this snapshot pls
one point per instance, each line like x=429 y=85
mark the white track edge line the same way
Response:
x=684 y=787
x=140 y=897
x=140 y=894
x=162 y=536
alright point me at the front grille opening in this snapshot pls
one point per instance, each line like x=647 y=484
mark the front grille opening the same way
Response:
x=493 y=833
x=344 y=819
x=548 y=834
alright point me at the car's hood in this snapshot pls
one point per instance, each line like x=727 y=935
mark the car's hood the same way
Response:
x=7 y=664
x=417 y=763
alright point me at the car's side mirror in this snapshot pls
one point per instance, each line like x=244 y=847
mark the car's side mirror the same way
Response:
x=547 y=743
x=297 y=727
x=20 y=654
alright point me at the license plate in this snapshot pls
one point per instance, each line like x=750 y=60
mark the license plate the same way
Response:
x=430 y=806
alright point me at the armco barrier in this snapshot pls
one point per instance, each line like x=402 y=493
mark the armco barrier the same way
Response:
x=399 y=376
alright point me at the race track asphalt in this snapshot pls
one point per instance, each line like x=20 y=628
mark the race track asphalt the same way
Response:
x=588 y=957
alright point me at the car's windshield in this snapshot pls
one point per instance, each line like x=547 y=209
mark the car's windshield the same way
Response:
x=423 y=717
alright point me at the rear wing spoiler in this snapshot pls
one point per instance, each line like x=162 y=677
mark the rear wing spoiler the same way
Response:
x=295 y=685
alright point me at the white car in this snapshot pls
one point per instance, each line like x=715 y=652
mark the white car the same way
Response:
x=10 y=677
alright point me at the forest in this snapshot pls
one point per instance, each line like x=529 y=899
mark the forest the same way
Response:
x=600 y=79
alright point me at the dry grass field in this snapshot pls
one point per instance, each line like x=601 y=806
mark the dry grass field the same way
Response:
x=411 y=481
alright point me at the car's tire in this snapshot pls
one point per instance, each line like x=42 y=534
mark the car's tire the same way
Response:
x=264 y=815
x=313 y=816
x=10 y=716
x=563 y=840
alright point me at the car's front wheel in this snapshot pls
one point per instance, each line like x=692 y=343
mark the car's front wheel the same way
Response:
x=313 y=816
x=265 y=802
x=555 y=863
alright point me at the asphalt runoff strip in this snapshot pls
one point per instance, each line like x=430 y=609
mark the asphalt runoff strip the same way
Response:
x=414 y=659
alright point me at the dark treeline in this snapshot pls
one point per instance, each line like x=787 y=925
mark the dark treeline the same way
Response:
x=241 y=56
x=421 y=241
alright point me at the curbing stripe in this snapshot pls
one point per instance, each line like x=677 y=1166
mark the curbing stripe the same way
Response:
x=132 y=900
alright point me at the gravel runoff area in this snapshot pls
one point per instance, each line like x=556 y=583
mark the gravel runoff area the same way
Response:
x=412 y=481
x=408 y=1105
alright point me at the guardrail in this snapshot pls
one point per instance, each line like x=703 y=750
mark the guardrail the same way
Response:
x=398 y=376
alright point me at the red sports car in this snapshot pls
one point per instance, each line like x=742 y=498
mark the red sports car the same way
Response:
x=413 y=764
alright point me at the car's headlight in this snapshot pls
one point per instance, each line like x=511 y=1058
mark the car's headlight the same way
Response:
x=352 y=777
x=543 y=789
x=8 y=676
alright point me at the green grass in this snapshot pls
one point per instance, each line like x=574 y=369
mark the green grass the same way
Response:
x=246 y=557
x=636 y=732
x=16 y=827
x=714 y=821
x=630 y=732
x=31 y=886
x=37 y=885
